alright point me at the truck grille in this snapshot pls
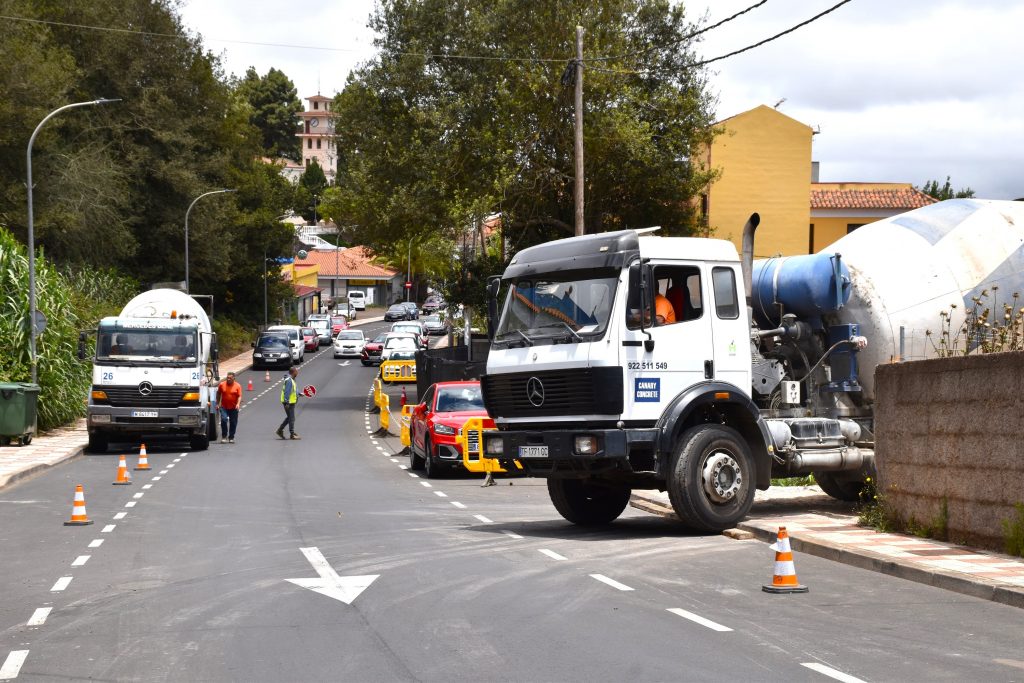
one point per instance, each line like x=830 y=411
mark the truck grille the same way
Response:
x=130 y=397
x=588 y=391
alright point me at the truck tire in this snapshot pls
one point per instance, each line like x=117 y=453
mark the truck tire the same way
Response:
x=199 y=442
x=211 y=427
x=839 y=488
x=711 y=482
x=98 y=443
x=588 y=503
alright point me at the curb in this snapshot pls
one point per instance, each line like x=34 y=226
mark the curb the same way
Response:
x=32 y=470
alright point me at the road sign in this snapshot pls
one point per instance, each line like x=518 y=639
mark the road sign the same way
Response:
x=343 y=588
x=408 y=285
x=309 y=391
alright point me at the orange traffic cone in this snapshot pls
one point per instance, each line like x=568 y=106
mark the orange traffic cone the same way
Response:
x=784 y=580
x=123 y=478
x=143 y=459
x=266 y=376
x=249 y=386
x=78 y=516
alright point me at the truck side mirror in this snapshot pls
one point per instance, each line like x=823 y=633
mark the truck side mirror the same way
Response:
x=493 y=286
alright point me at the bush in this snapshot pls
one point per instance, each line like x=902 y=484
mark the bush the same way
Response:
x=233 y=338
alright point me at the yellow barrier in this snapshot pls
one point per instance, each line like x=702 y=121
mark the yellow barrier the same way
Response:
x=472 y=441
x=405 y=421
x=377 y=391
x=385 y=412
x=398 y=371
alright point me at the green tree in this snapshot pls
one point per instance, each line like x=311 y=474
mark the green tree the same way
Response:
x=275 y=107
x=945 y=191
x=311 y=188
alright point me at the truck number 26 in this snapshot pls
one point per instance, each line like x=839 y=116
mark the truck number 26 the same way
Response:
x=108 y=377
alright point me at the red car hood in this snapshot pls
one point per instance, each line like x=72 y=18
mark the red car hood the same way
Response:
x=460 y=418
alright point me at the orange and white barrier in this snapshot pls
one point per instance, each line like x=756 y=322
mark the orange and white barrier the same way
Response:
x=784 y=580
x=78 y=515
x=123 y=478
x=143 y=459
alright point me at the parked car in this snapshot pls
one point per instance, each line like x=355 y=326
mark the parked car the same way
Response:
x=412 y=327
x=432 y=304
x=346 y=309
x=410 y=306
x=294 y=333
x=338 y=323
x=271 y=351
x=434 y=324
x=322 y=325
x=398 y=341
x=358 y=300
x=397 y=312
x=436 y=422
x=349 y=343
x=311 y=339
x=372 y=349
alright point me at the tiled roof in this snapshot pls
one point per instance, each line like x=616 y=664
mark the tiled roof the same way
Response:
x=305 y=290
x=868 y=198
x=354 y=262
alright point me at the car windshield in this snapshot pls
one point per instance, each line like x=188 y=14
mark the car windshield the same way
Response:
x=350 y=335
x=397 y=308
x=459 y=399
x=432 y=319
x=116 y=342
x=556 y=308
x=319 y=324
x=400 y=343
x=406 y=328
x=380 y=338
x=268 y=341
x=308 y=332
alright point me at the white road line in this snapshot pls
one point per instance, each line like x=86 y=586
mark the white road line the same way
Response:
x=170 y=465
x=440 y=494
x=147 y=486
x=80 y=560
x=138 y=495
x=551 y=553
x=108 y=528
x=380 y=448
x=61 y=584
x=38 y=617
x=512 y=534
x=156 y=478
x=831 y=673
x=611 y=582
x=96 y=543
x=458 y=504
x=130 y=504
x=184 y=455
x=484 y=519
x=175 y=460
x=120 y=515
x=413 y=475
x=427 y=484
x=404 y=467
x=163 y=471
x=12 y=665
x=699 y=619
x=394 y=460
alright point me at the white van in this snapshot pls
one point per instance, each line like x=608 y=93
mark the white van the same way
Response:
x=358 y=300
x=295 y=341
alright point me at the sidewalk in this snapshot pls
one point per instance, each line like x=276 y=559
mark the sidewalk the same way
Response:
x=819 y=525
x=60 y=445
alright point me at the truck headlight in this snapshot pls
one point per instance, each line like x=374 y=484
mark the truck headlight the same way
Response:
x=189 y=419
x=98 y=395
x=191 y=396
x=100 y=419
x=586 y=445
x=444 y=429
x=494 y=446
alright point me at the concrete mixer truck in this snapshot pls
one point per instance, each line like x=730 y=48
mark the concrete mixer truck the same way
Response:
x=625 y=360
x=154 y=373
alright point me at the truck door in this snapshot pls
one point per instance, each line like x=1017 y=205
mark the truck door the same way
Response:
x=730 y=329
x=682 y=354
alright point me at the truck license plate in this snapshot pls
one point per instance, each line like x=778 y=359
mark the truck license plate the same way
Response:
x=145 y=413
x=533 y=451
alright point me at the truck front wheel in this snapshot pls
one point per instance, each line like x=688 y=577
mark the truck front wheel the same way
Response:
x=711 y=484
x=588 y=503
x=98 y=442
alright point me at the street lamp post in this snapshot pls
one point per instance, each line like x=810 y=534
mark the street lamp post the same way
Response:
x=408 y=271
x=31 y=229
x=207 y=194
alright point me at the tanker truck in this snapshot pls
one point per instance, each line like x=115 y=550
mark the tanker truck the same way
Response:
x=154 y=373
x=625 y=360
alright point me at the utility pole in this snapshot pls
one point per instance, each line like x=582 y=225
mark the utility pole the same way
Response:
x=579 y=131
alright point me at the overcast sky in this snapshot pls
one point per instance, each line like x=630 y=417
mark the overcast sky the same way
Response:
x=901 y=90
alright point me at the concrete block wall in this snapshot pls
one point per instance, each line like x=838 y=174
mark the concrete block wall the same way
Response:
x=953 y=429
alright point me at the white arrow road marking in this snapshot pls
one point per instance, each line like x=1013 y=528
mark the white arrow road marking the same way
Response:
x=344 y=588
x=345 y=364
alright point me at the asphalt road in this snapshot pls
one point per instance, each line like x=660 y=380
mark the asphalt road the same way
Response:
x=188 y=579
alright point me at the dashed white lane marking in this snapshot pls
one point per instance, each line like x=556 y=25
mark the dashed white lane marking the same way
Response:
x=162 y=472
x=404 y=467
x=12 y=665
x=80 y=560
x=440 y=494
x=458 y=504
x=169 y=466
x=156 y=478
x=130 y=504
x=484 y=519
x=61 y=584
x=413 y=475
x=699 y=619
x=175 y=460
x=552 y=554
x=147 y=486
x=611 y=582
x=427 y=484
x=38 y=617
x=184 y=455
x=512 y=534
x=394 y=460
x=120 y=515
x=380 y=448
x=831 y=673
x=108 y=528
x=96 y=543
x=140 y=494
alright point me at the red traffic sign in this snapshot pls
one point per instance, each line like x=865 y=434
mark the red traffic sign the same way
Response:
x=408 y=285
x=309 y=391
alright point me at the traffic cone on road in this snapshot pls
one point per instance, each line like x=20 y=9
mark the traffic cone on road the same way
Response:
x=123 y=478
x=78 y=516
x=266 y=376
x=784 y=580
x=248 y=387
x=143 y=459
x=404 y=399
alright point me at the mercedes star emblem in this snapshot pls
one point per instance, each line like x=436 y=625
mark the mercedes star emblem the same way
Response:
x=146 y=388
x=535 y=392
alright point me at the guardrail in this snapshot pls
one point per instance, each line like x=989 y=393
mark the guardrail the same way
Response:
x=472 y=441
x=392 y=371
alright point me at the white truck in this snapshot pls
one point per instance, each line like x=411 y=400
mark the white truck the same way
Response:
x=589 y=391
x=155 y=372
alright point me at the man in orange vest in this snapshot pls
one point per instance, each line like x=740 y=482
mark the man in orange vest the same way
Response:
x=229 y=400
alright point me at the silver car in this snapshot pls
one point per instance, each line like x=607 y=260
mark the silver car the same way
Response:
x=349 y=343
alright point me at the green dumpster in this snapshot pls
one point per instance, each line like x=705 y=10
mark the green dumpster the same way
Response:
x=18 y=412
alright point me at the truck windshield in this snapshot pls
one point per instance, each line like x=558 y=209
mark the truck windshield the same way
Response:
x=115 y=343
x=554 y=309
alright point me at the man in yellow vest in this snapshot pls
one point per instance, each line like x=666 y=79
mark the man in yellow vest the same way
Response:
x=289 y=395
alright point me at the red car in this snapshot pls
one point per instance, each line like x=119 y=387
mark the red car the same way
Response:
x=372 y=349
x=311 y=339
x=436 y=422
x=338 y=323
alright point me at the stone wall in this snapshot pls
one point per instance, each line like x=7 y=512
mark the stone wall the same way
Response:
x=952 y=429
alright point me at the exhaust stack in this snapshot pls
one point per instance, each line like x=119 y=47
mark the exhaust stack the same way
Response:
x=748 y=257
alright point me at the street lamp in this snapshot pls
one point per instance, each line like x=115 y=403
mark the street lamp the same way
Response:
x=207 y=194
x=408 y=272
x=31 y=229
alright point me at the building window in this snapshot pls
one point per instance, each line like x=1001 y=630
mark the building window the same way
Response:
x=307 y=162
x=318 y=143
x=810 y=240
x=850 y=227
x=316 y=105
x=309 y=143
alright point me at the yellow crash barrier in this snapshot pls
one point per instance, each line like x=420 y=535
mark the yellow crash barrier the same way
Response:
x=472 y=440
x=378 y=389
x=398 y=371
x=385 y=412
x=405 y=420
